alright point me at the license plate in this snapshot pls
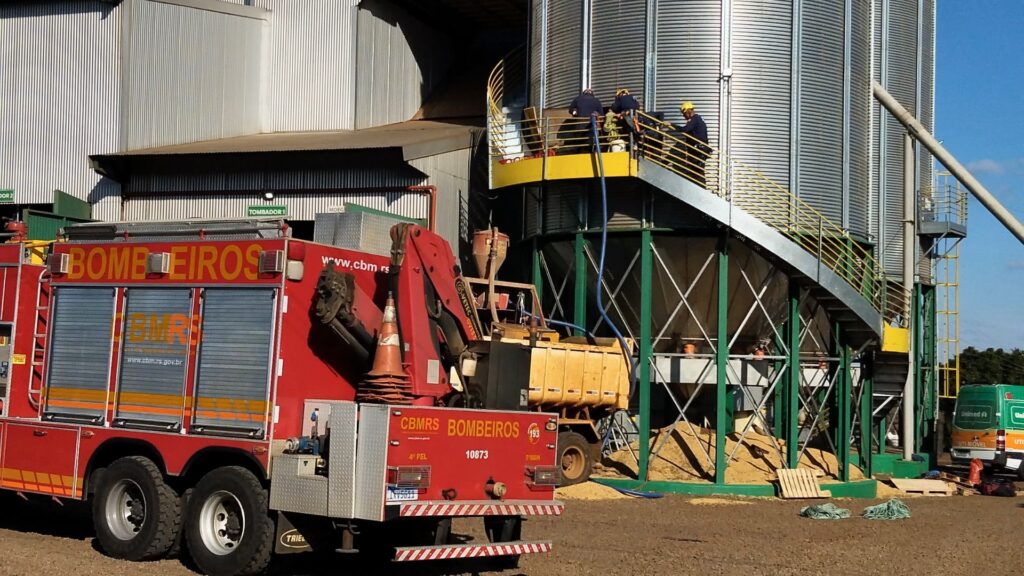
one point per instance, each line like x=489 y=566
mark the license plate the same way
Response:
x=402 y=494
x=1012 y=463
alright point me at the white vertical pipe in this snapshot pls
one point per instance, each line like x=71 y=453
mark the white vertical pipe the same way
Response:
x=909 y=398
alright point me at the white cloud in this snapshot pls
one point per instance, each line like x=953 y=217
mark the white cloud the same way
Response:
x=985 y=166
x=1015 y=264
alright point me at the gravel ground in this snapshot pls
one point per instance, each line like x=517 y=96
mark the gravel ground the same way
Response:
x=674 y=535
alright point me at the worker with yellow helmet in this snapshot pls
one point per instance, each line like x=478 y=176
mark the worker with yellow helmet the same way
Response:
x=693 y=149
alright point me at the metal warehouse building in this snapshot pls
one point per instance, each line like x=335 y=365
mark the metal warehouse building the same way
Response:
x=166 y=109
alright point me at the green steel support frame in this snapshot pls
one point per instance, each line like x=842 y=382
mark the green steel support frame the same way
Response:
x=644 y=361
x=785 y=400
x=791 y=434
x=579 y=316
x=722 y=361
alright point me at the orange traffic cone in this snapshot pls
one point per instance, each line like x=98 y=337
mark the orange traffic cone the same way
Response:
x=386 y=383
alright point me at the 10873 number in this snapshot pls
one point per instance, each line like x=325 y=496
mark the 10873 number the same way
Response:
x=477 y=454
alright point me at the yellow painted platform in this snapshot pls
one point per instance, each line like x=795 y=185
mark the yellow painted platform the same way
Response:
x=565 y=167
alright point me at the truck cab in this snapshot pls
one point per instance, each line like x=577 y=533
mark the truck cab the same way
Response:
x=988 y=424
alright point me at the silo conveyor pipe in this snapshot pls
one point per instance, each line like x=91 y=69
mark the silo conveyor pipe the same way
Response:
x=922 y=135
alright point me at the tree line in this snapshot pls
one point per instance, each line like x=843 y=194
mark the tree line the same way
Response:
x=991 y=366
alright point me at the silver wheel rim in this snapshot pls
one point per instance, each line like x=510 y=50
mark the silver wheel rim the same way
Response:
x=222 y=523
x=125 y=509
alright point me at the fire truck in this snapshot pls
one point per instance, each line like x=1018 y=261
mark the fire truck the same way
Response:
x=221 y=384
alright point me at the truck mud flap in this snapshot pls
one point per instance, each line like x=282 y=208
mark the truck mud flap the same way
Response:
x=461 y=551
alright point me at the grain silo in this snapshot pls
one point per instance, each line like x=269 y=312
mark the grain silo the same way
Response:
x=753 y=277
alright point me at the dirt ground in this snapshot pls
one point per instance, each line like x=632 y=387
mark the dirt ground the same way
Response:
x=673 y=535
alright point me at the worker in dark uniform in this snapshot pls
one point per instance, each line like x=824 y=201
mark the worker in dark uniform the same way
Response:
x=695 y=151
x=626 y=106
x=576 y=131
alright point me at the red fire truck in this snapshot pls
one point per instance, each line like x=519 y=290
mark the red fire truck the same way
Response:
x=221 y=383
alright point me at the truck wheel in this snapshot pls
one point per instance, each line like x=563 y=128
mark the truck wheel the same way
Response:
x=227 y=527
x=574 y=457
x=136 y=514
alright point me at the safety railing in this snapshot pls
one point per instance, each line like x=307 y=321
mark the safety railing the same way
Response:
x=758 y=195
x=946 y=202
x=528 y=133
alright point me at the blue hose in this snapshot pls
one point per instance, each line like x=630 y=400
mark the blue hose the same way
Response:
x=568 y=325
x=600 y=266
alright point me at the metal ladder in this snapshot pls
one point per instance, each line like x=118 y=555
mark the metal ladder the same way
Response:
x=40 y=330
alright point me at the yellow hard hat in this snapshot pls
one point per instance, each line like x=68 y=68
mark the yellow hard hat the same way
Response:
x=622 y=92
x=686 y=106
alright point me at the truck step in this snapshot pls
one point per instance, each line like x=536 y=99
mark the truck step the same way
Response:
x=457 y=551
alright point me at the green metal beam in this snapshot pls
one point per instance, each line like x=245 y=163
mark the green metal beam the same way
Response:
x=722 y=360
x=792 y=378
x=855 y=489
x=580 y=293
x=866 y=408
x=844 y=401
x=646 y=349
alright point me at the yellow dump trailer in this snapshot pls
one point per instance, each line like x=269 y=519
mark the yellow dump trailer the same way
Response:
x=582 y=379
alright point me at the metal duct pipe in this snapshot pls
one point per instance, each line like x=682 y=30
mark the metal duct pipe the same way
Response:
x=924 y=137
x=909 y=243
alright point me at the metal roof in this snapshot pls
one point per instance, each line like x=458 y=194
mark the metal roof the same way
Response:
x=416 y=138
x=413 y=139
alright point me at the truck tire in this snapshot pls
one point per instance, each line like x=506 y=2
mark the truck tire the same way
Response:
x=227 y=525
x=575 y=458
x=136 y=514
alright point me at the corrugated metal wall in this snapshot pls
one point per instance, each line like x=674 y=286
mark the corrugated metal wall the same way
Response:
x=59 y=97
x=819 y=177
x=860 y=119
x=927 y=84
x=878 y=119
x=227 y=195
x=564 y=52
x=618 y=47
x=450 y=173
x=399 y=61
x=536 y=51
x=689 y=40
x=900 y=54
x=761 y=87
x=188 y=74
x=310 y=65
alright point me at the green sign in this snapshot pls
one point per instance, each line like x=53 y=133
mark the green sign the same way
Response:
x=267 y=210
x=6 y=195
x=1016 y=414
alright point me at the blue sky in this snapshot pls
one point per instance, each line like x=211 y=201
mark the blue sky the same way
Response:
x=979 y=117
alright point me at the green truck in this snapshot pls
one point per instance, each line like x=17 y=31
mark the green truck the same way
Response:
x=988 y=424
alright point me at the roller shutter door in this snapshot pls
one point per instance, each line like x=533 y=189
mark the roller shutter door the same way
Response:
x=154 y=356
x=234 y=368
x=79 y=353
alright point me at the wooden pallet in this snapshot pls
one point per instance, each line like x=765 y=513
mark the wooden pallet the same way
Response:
x=800 y=483
x=923 y=487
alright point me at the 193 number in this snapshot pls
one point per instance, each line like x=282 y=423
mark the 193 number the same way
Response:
x=477 y=454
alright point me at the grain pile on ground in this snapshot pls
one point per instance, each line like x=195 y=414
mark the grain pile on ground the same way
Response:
x=588 y=491
x=687 y=454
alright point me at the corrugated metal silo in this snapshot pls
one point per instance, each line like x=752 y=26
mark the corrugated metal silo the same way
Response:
x=688 y=44
x=564 y=53
x=618 y=47
x=904 y=45
x=762 y=108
